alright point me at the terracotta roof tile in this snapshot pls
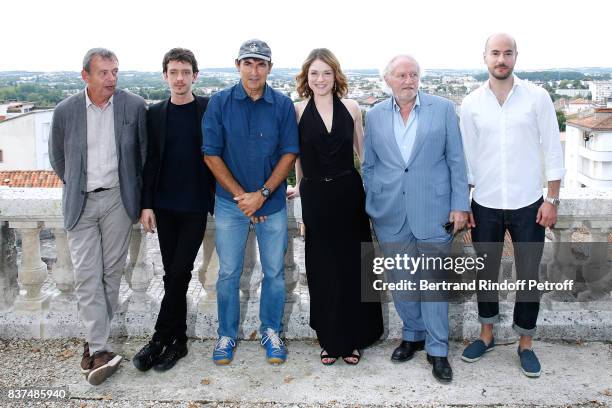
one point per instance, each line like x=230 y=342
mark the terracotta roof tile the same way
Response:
x=29 y=178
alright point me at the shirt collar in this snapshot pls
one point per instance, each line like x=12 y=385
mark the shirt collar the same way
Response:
x=240 y=93
x=517 y=82
x=88 y=101
x=417 y=102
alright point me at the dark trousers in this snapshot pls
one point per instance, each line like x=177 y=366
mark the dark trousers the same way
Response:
x=180 y=236
x=528 y=243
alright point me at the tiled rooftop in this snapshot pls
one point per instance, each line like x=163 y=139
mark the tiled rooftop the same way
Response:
x=29 y=178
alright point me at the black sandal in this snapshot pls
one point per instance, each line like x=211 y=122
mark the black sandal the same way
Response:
x=327 y=356
x=352 y=355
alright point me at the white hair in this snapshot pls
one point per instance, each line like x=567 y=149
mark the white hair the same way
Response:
x=388 y=69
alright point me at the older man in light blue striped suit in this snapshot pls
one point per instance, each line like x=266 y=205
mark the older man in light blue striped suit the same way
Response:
x=415 y=178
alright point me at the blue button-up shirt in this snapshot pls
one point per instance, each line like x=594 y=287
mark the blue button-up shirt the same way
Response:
x=251 y=136
x=406 y=133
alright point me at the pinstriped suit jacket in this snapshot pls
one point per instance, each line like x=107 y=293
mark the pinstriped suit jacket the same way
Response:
x=426 y=188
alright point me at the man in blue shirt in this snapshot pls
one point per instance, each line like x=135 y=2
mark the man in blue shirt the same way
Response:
x=250 y=144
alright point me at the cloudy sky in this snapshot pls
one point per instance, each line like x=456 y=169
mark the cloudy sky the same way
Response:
x=54 y=34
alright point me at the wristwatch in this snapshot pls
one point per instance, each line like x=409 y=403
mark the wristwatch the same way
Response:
x=265 y=192
x=553 y=200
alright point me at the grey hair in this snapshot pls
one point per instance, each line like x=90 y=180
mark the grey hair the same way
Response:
x=100 y=52
x=387 y=69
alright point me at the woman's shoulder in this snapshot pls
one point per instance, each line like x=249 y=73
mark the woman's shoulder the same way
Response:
x=352 y=106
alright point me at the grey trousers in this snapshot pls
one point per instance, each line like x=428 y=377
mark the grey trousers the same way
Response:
x=98 y=247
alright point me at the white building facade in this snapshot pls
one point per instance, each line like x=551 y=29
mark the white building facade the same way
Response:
x=24 y=141
x=588 y=151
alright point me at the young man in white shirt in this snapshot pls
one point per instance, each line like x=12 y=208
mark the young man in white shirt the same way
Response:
x=504 y=125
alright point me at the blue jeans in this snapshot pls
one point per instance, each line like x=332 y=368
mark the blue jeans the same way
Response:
x=423 y=317
x=232 y=231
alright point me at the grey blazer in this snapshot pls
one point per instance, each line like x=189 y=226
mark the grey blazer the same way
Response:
x=68 y=151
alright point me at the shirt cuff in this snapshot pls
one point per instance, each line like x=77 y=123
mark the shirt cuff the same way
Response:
x=294 y=150
x=555 y=174
x=209 y=151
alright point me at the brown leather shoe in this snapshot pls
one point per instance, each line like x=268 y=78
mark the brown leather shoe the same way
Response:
x=104 y=365
x=87 y=361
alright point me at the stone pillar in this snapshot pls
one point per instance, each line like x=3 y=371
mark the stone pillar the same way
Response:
x=32 y=271
x=208 y=272
x=139 y=274
x=252 y=274
x=62 y=272
x=596 y=272
x=292 y=270
x=9 y=288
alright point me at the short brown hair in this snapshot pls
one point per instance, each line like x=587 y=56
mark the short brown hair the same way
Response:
x=325 y=55
x=180 y=54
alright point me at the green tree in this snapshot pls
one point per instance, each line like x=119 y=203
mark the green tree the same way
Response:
x=561 y=120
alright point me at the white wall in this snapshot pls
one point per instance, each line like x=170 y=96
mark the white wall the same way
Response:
x=23 y=141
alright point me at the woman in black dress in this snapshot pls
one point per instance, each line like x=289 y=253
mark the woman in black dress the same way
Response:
x=333 y=210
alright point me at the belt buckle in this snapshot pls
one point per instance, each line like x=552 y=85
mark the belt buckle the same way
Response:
x=328 y=179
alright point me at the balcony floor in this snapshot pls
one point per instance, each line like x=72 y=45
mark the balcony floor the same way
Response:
x=573 y=374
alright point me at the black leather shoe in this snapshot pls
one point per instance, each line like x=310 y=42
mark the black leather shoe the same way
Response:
x=170 y=356
x=405 y=351
x=148 y=355
x=441 y=368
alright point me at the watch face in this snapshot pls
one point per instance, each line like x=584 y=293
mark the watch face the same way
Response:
x=265 y=192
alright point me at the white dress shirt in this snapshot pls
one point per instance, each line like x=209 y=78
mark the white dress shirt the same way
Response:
x=102 y=165
x=503 y=144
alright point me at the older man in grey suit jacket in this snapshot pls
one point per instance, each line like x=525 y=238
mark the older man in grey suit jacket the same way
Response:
x=415 y=178
x=97 y=147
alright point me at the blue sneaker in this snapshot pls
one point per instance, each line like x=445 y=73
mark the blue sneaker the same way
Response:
x=276 y=352
x=476 y=350
x=223 y=353
x=529 y=363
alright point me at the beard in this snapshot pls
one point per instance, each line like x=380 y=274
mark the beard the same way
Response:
x=501 y=77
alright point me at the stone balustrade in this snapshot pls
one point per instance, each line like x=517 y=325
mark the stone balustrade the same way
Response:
x=37 y=303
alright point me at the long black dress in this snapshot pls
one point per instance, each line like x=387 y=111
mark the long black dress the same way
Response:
x=333 y=210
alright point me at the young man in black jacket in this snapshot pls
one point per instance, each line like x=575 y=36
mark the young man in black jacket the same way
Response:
x=177 y=195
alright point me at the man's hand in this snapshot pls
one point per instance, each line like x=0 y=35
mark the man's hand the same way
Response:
x=250 y=202
x=147 y=219
x=547 y=215
x=257 y=220
x=293 y=192
x=460 y=218
x=471 y=223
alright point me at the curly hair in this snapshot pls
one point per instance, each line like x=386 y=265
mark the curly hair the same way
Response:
x=325 y=55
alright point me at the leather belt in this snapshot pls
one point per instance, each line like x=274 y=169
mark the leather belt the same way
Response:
x=98 y=190
x=329 y=178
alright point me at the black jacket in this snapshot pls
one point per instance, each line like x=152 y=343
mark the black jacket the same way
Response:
x=156 y=130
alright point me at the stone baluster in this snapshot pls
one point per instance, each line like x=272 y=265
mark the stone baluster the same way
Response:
x=596 y=272
x=32 y=271
x=9 y=288
x=209 y=272
x=139 y=274
x=292 y=270
x=252 y=274
x=62 y=271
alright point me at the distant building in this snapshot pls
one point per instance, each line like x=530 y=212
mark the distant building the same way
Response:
x=573 y=93
x=579 y=106
x=24 y=141
x=600 y=91
x=12 y=109
x=588 y=150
